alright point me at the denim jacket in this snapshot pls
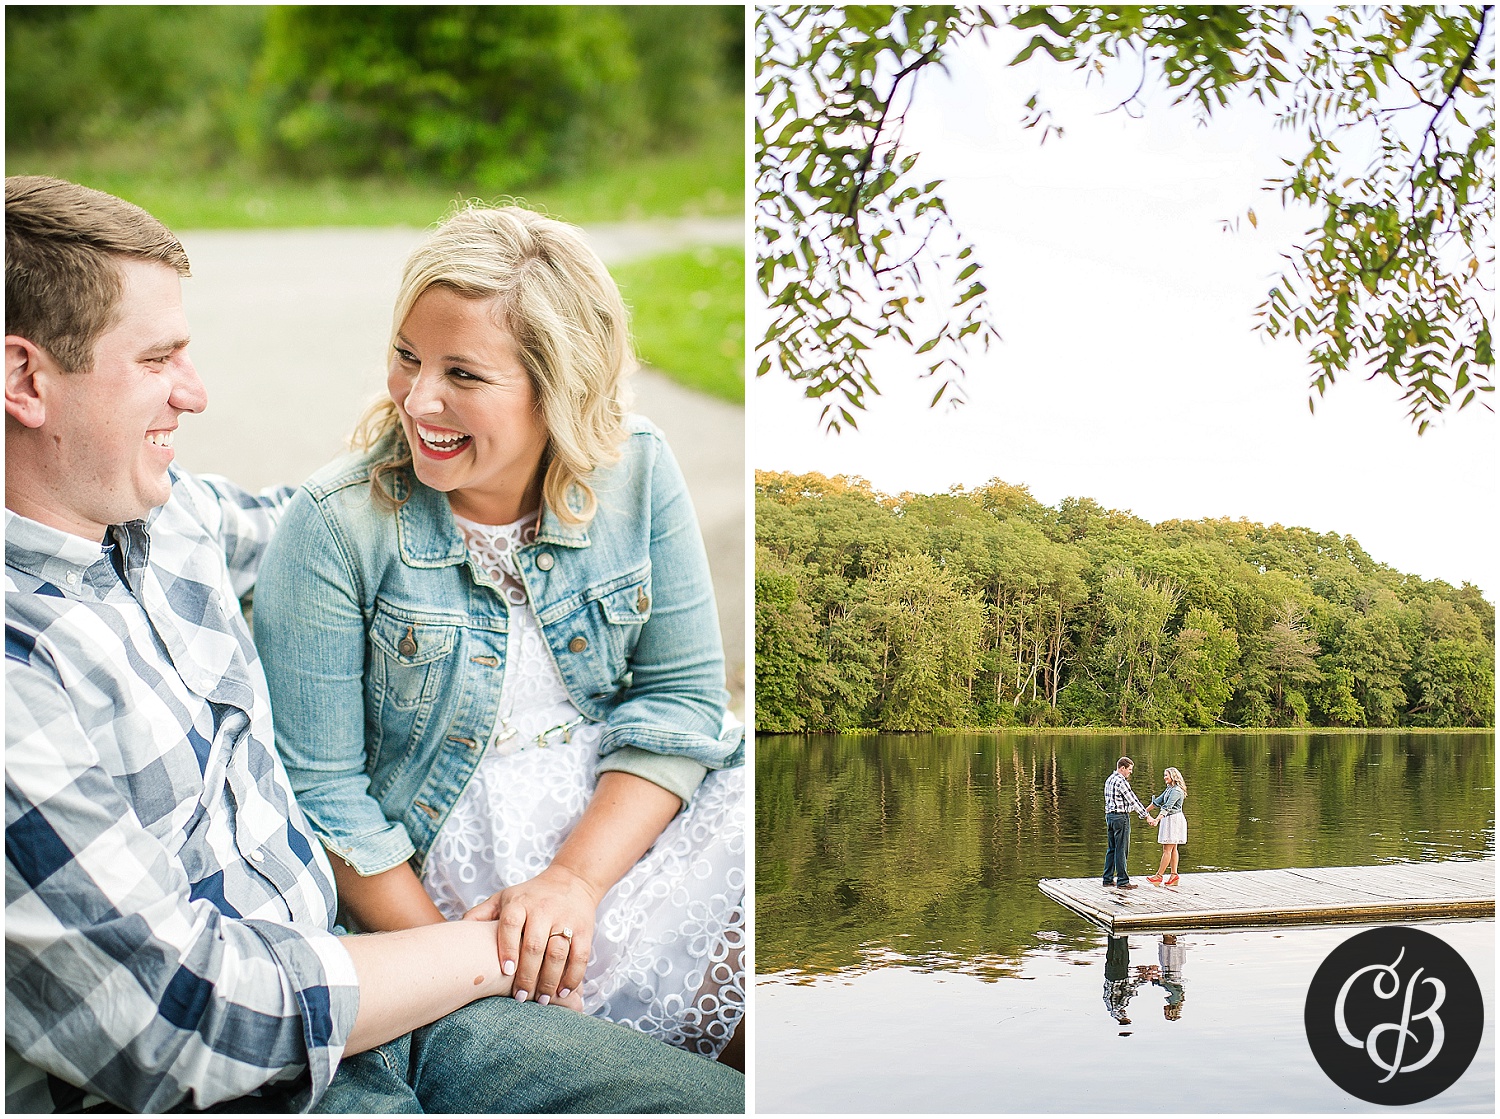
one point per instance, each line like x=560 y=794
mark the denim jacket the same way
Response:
x=1169 y=800
x=384 y=644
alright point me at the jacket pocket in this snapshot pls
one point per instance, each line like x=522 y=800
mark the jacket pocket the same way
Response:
x=594 y=644
x=623 y=613
x=403 y=676
x=403 y=652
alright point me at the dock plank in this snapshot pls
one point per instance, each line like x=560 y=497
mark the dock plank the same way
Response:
x=1287 y=896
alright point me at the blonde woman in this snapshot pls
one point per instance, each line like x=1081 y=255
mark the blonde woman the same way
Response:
x=493 y=651
x=1171 y=825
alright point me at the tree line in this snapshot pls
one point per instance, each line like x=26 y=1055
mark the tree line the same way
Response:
x=497 y=95
x=984 y=607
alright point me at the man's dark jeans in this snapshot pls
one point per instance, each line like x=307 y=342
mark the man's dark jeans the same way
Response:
x=1119 y=839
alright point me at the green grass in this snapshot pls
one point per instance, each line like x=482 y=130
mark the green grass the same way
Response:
x=707 y=179
x=688 y=315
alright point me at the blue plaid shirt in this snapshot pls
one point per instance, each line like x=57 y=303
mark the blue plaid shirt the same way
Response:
x=1120 y=797
x=168 y=915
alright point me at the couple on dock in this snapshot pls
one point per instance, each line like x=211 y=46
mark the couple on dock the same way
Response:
x=1120 y=801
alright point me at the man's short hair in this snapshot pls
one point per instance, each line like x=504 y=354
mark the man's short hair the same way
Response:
x=1123 y=762
x=62 y=244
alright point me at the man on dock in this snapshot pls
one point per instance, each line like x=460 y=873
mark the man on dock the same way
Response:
x=1119 y=801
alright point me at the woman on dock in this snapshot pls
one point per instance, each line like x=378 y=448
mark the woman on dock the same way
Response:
x=1170 y=824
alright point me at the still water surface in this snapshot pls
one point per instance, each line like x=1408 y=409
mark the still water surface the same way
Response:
x=907 y=962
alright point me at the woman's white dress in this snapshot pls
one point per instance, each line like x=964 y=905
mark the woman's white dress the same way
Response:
x=1172 y=829
x=668 y=954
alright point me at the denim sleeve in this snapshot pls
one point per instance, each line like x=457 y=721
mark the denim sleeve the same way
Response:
x=676 y=699
x=310 y=631
x=118 y=980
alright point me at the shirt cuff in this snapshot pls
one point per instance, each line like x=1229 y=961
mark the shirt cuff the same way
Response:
x=672 y=772
x=326 y=987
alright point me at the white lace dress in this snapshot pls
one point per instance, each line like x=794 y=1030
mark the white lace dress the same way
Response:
x=668 y=955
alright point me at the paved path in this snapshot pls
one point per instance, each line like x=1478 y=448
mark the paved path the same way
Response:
x=289 y=335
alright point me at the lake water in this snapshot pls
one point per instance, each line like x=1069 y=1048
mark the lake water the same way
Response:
x=906 y=961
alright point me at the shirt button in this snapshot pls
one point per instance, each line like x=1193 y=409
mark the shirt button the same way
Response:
x=545 y=561
x=73 y=578
x=578 y=644
x=258 y=856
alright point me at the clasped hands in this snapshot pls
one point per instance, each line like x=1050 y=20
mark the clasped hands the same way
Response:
x=1154 y=821
x=546 y=934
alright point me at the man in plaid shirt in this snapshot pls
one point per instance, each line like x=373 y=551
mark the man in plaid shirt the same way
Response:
x=169 y=914
x=1119 y=802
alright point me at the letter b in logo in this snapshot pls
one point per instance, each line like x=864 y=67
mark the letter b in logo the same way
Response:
x=1394 y=1015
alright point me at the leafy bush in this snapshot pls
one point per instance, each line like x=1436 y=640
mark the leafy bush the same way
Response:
x=102 y=75
x=490 y=97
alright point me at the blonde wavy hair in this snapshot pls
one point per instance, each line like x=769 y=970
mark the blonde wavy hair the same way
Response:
x=1175 y=776
x=549 y=290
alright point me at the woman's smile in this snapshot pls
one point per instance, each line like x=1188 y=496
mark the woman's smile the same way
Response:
x=439 y=443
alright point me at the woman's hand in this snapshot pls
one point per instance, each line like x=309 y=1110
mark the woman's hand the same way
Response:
x=533 y=917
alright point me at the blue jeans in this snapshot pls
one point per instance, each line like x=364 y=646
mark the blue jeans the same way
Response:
x=1119 y=838
x=499 y=1055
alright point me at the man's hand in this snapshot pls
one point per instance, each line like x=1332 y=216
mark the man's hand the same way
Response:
x=534 y=917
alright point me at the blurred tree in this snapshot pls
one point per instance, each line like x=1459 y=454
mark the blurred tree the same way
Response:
x=97 y=74
x=1393 y=279
x=504 y=94
x=495 y=95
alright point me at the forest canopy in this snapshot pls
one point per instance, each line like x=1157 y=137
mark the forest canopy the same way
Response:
x=984 y=607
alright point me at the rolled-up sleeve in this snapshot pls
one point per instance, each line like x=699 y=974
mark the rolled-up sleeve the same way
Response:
x=311 y=635
x=676 y=699
x=119 y=980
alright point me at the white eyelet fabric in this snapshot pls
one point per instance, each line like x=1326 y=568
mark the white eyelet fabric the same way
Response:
x=669 y=942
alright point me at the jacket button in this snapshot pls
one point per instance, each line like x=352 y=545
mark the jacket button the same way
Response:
x=643 y=603
x=408 y=646
x=545 y=561
x=578 y=644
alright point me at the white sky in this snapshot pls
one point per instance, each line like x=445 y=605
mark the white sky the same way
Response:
x=1128 y=371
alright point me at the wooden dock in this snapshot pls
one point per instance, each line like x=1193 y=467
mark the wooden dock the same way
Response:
x=1295 y=896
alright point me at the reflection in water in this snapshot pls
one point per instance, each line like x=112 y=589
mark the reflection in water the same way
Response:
x=1172 y=954
x=1120 y=986
x=923 y=851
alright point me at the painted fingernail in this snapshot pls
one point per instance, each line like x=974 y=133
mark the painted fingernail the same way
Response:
x=521 y=996
x=544 y=999
x=508 y=967
x=564 y=993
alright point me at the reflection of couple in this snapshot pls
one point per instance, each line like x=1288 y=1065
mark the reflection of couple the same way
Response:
x=1120 y=987
x=492 y=648
x=1120 y=801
